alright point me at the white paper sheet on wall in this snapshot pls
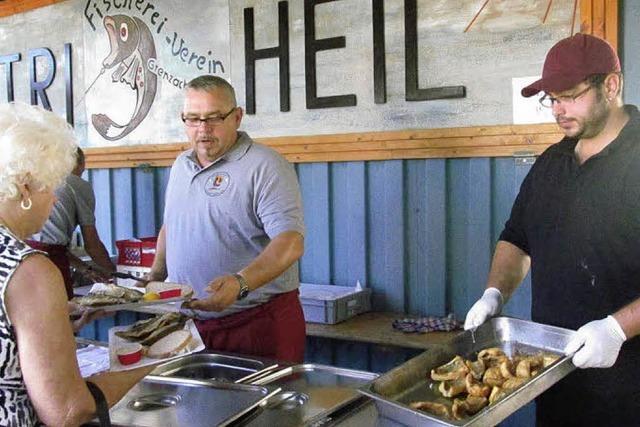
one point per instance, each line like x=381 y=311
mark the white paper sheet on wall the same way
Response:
x=528 y=110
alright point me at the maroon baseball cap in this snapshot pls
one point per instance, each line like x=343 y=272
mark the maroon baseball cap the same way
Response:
x=571 y=61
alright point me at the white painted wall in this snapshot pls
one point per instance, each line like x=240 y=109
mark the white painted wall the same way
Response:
x=507 y=40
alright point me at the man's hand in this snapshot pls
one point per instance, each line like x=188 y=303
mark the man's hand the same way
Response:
x=96 y=274
x=487 y=306
x=143 y=281
x=224 y=292
x=596 y=344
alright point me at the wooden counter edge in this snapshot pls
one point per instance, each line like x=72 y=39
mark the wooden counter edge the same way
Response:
x=376 y=328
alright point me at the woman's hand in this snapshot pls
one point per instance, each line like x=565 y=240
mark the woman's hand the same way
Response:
x=80 y=316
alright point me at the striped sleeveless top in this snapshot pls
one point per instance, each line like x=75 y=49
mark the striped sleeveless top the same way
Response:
x=15 y=407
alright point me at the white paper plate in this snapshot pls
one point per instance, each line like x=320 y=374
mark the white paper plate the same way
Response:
x=115 y=341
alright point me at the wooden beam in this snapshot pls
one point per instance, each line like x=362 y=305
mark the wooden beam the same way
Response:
x=480 y=141
x=12 y=7
x=611 y=22
x=600 y=18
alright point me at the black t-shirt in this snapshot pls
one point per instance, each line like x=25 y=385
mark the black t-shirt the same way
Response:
x=580 y=224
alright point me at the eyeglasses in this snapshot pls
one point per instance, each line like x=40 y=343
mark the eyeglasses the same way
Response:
x=209 y=121
x=549 y=101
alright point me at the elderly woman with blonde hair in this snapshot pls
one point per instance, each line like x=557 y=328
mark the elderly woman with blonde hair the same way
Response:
x=40 y=381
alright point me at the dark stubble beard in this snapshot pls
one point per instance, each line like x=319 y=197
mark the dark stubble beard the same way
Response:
x=597 y=118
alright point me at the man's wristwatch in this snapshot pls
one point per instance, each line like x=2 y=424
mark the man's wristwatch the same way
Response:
x=244 y=287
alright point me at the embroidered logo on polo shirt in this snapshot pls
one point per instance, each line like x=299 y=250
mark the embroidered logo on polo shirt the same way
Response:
x=217 y=184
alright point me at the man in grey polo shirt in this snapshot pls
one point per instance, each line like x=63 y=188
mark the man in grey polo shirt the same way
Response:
x=233 y=230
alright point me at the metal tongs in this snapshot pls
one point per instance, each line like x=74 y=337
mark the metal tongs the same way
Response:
x=121 y=275
x=251 y=378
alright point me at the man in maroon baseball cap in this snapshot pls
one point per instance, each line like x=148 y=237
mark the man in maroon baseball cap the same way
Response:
x=576 y=225
x=571 y=61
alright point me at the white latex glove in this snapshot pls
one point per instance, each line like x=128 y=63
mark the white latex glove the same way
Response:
x=487 y=306
x=596 y=344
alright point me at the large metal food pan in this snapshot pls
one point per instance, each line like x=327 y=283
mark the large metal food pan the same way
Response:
x=176 y=402
x=410 y=382
x=310 y=394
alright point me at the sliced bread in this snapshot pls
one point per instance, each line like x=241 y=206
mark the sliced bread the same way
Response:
x=169 y=345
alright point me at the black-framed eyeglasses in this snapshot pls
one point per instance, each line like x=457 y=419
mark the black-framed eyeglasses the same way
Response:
x=549 y=101
x=209 y=121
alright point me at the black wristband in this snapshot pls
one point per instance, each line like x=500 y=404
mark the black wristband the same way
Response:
x=102 y=409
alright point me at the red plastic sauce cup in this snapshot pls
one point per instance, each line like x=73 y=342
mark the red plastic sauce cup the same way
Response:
x=129 y=353
x=170 y=293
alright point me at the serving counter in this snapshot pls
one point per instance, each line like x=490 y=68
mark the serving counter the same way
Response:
x=311 y=392
x=213 y=388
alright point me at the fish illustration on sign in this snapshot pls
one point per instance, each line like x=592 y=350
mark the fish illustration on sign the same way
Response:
x=131 y=46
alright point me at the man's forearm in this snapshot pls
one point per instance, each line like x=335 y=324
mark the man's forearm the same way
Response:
x=159 y=267
x=95 y=249
x=75 y=262
x=285 y=249
x=100 y=256
x=629 y=318
x=508 y=268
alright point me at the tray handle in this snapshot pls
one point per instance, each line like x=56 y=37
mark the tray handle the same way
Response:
x=249 y=379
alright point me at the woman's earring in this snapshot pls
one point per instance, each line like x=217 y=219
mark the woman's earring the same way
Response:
x=26 y=206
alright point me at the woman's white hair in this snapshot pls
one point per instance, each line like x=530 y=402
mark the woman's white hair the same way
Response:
x=36 y=147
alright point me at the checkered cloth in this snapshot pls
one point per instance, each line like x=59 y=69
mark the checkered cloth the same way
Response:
x=423 y=325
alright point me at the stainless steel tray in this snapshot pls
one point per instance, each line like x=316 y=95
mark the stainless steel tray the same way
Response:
x=310 y=393
x=174 y=402
x=210 y=366
x=409 y=382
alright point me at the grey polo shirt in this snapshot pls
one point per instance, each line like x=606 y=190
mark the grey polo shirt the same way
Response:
x=75 y=206
x=219 y=218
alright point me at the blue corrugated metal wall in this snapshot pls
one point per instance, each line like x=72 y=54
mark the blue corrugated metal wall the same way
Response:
x=419 y=233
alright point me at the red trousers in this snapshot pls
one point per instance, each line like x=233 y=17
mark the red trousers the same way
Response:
x=275 y=330
x=58 y=256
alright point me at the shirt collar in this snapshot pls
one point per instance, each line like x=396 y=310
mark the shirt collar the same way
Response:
x=567 y=146
x=631 y=128
x=239 y=149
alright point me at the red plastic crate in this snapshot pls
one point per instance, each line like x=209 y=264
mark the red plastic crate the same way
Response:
x=140 y=252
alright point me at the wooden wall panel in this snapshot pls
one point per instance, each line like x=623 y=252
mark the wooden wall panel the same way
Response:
x=12 y=7
x=315 y=183
x=479 y=141
x=386 y=263
x=600 y=18
x=348 y=216
x=419 y=233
